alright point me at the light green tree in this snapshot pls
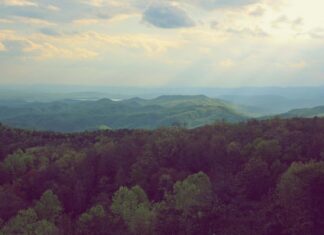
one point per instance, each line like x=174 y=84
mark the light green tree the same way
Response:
x=135 y=209
x=48 y=207
x=193 y=192
x=26 y=223
x=92 y=221
x=300 y=193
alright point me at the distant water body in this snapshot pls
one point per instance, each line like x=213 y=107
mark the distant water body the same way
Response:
x=96 y=99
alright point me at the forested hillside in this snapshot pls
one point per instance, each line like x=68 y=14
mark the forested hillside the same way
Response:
x=305 y=113
x=259 y=177
x=76 y=115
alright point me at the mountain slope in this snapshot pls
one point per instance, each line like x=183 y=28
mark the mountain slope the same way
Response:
x=306 y=113
x=70 y=116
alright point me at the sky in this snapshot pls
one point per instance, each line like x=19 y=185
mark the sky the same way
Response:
x=161 y=43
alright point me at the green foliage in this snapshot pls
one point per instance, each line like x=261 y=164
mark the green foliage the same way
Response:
x=306 y=113
x=135 y=209
x=92 y=221
x=21 y=162
x=48 y=207
x=248 y=181
x=23 y=223
x=255 y=178
x=10 y=203
x=193 y=192
x=26 y=222
x=18 y=163
x=70 y=159
x=300 y=193
x=45 y=227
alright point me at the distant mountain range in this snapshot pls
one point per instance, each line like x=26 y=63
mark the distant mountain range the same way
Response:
x=76 y=115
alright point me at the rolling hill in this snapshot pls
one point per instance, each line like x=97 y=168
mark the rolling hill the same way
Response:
x=305 y=113
x=76 y=115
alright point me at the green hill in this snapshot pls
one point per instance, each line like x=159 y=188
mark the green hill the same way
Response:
x=72 y=116
x=306 y=113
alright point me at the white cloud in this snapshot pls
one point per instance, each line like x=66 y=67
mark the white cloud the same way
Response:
x=6 y=21
x=53 y=8
x=97 y=21
x=86 y=45
x=32 y=21
x=19 y=3
x=2 y=47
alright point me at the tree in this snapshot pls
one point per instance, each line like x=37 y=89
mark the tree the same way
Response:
x=194 y=191
x=135 y=209
x=268 y=150
x=254 y=179
x=168 y=220
x=18 y=163
x=27 y=222
x=10 y=203
x=92 y=221
x=22 y=223
x=193 y=198
x=49 y=207
x=300 y=192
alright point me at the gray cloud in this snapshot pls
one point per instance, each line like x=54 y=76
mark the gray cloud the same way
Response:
x=259 y=11
x=317 y=33
x=166 y=15
x=283 y=21
x=49 y=31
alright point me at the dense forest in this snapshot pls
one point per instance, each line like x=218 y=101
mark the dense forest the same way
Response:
x=257 y=177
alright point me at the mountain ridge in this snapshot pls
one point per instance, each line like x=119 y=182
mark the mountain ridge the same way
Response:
x=64 y=116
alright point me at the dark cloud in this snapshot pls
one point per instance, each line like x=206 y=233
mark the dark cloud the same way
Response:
x=166 y=15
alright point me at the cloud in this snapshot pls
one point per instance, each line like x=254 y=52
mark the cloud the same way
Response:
x=2 y=47
x=97 y=21
x=53 y=8
x=167 y=15
x=259 y=11
x=19 y=3
x=150 y=44
x=284 y=21
x=6 y=21
x=76 y=46
x=213 y=4
x=49 y=31
x=50 y=51
x=32 y=21
x=317 y=33
x=250 y=32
